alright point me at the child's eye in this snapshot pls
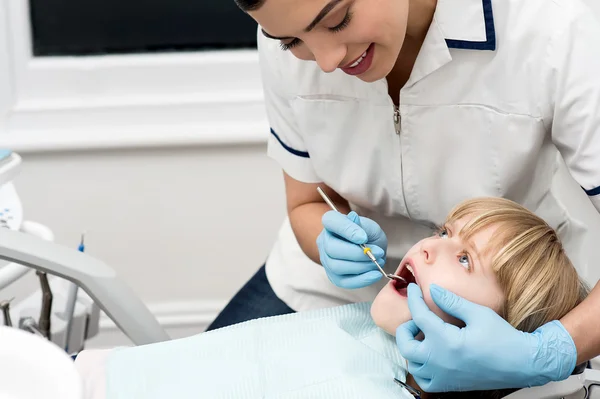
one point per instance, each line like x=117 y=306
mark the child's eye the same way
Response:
x=464 y=261
x=443 y=233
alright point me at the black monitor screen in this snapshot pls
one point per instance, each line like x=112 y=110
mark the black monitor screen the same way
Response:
x=93 y=27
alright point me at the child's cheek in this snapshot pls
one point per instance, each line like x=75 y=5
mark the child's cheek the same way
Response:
x=435 y=309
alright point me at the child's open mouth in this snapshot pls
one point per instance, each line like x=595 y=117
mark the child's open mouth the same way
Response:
x=406 y=273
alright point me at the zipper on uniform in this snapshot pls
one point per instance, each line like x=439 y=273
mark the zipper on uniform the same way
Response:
x=397 y=119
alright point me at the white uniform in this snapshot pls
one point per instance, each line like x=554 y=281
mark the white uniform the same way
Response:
x=498 y=89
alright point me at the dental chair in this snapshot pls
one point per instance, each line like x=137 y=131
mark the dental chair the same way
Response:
x=100 y=282
x=27 y=252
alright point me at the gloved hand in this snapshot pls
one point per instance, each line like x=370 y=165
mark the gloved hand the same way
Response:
x=340 y=253
x=486 y=354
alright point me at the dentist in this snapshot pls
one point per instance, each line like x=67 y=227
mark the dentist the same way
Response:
x=400 y=109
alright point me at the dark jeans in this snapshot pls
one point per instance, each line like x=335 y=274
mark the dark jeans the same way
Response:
x=254 y=300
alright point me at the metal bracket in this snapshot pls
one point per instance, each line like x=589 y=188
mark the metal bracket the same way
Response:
x=46 y=309
x=5 y=307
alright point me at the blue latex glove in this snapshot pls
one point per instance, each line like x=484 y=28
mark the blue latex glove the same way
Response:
x=488 y=353
x=340 y=253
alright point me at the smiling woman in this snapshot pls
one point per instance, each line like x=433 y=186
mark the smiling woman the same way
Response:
x=360 y=37
x=399 y=109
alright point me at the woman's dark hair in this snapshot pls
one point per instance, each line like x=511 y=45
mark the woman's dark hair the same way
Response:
x=249 y=5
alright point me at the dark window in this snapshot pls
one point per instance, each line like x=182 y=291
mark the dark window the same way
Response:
x=90 y=27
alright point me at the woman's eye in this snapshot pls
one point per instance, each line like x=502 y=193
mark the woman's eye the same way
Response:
x=342 y=25
x=464 y=261
x=290 y=45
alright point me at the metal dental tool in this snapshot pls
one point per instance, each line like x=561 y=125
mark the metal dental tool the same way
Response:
x=413 y=392
x=5 y=307
x=366 y=249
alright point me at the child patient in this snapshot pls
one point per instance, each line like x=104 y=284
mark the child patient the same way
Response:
x=490 y=251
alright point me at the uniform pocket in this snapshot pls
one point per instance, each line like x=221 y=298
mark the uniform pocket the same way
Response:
x=353 y=147
x=452 y=153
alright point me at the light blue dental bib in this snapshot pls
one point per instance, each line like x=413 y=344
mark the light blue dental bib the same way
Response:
x=327 y=353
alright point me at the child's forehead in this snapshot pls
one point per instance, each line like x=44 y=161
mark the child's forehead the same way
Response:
x=459 y=224
x=483 y=237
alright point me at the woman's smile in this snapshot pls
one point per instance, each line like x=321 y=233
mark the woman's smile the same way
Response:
x=362 y=64
x=363 y=38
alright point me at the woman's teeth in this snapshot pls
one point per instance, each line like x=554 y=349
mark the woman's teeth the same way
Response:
x=358 y=61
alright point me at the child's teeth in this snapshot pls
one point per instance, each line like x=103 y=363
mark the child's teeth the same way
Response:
x=410 y=270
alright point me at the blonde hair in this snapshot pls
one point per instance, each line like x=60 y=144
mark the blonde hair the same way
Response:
x=539 y=281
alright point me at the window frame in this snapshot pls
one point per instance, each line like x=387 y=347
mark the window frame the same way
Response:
x=132 y=100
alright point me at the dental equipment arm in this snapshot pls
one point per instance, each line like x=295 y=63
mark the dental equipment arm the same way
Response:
x=10 y=164
x=98 y=280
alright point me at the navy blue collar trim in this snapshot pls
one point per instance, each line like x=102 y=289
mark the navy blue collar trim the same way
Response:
x=490 y=33
x=302 y=154
x=593 y=192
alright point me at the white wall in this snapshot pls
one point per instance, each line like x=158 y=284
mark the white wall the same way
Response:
x=160 y=157
x=184 y=227
x=595 y=6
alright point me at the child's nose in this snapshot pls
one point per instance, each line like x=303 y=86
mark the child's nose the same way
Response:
x=428 y=252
